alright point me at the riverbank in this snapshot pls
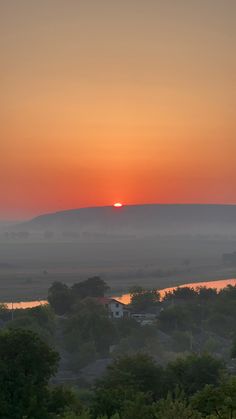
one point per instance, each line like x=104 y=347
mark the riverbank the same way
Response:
x=28 y=286
x=125 y=298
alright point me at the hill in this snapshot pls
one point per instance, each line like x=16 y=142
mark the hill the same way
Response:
x=138 y=220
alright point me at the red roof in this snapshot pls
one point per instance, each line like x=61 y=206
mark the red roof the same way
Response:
x=104 y=300
x=108 y=300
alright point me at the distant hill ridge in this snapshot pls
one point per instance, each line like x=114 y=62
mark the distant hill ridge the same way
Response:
x=143 y=219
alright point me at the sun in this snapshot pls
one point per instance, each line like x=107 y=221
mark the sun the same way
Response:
x=117 y=205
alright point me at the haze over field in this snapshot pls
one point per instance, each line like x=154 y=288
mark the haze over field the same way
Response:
x=153 y=245
x=136 y=220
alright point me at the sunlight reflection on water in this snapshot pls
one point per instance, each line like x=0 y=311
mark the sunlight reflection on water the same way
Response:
x=125 y=298
x=218 y=285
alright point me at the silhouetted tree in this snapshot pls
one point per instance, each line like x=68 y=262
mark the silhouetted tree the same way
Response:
x=91 y=287
x=89 y=327
x=126 y=378
x=220 y=400
x=193 y=372
x=143 y=300
x=59 y=297
x=26 y=364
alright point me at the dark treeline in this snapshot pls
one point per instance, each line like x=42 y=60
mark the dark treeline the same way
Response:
x=169 y=358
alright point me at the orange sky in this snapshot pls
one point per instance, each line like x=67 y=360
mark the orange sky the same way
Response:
x=104 y=101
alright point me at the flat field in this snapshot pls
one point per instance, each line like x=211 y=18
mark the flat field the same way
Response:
x=27 y=269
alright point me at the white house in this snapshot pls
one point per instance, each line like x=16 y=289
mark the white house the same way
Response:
x=116 y=309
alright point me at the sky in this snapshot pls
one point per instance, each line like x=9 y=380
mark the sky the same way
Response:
x=116 y=100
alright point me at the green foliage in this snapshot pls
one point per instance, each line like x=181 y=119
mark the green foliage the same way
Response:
x=88 y=332
x=91 y=287
x=38 y=319
x=143 y=300
x=206 y=295
x=125 y=327
x=141 y=407
x=126 y=377
x=134 y=385
x=220 y=324
x=5 y=314
x=139 y=378
x=109 y=401
x=26 y=364
x=178 y=408
x=184 y=294
x=233 y=349
x=211 y=345
x=63 y=399
x=191 y=373
x=59 y=297
x=204 y=314
x=180 y=318
x=220 y=399
x=141 y=339
x=62 y=298
x=138 y=371
x=72 y=415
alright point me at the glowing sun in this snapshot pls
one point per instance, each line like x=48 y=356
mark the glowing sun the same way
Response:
x=117 y=205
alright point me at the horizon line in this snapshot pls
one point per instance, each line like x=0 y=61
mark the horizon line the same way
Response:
x=57 y=211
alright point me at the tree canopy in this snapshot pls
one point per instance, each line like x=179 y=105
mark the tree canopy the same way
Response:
x=143 y=300
x=26 y=364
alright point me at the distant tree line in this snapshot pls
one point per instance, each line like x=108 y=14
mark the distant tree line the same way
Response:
x=62 y=298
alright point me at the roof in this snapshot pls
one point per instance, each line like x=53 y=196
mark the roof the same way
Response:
x=108 y=300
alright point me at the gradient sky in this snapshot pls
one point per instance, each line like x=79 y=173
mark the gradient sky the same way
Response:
x=116 y=100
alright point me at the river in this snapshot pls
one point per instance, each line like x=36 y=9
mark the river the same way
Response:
x=218 y=285
x=125 y=298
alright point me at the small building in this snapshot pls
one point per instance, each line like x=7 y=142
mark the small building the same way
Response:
x=116 y=309
x=145 y=319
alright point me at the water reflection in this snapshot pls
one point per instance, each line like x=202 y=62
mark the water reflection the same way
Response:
x=218 y=285
x=26 y=304
x=125 y=298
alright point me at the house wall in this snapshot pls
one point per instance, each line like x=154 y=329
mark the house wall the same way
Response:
x=116 y=309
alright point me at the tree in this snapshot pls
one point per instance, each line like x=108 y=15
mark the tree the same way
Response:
x=233 y=349
x=89 y=324
x=178 y=318
x=206 y=294
x=83 y=415
x=142 y=339
x=5 y=314
x=125 y=327
x=138 y=371
x=37 y=319
x=59 y=297
x=193 y=372
x=178 y=408
x=26 y=364
x=220 y=400
x=220 y=324
x=63 y=399
x=125 y=378
x=182 y=294
x=141 y=407
x=143 y=300
x=91 y=287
